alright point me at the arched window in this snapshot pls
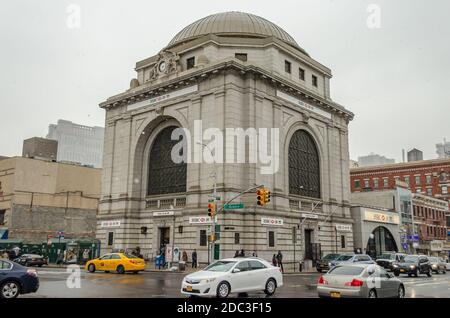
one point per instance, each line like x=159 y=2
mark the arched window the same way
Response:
x=304 y=167
x=164 y=175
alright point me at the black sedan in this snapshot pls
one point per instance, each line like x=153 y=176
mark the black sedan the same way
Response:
x=324 y=263
x=16 y=279
x=413 y=265
x=31 y=260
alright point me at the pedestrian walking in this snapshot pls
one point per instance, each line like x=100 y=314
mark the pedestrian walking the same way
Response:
x=280 y=261
x=274 y=260
x=242 y=253
x=184 y=257
x=194 y=259
x=236 y=254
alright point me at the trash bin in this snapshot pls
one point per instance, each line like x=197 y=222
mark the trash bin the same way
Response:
x=182 y=266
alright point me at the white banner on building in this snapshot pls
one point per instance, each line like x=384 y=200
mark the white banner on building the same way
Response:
x=343 y=227
x=271 y=221
x=163 y=213
x=302 y=104
x=108 y=224
x=200 y=220
x=164 y=97
x=310 y=216
x=381 y=217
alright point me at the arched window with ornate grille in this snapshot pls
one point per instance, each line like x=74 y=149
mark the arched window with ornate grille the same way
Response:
x=164 y=175
x=304 y=165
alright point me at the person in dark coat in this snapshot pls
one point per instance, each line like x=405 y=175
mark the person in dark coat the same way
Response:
x=280 y=261
x=274 y=260
x=242 y=253
x=236 y=254
x=194 y=259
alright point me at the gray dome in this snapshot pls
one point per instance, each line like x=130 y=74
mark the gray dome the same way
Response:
x=233 y=24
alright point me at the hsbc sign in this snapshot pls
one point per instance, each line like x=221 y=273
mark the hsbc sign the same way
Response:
x=200 y=220
x=272 y=222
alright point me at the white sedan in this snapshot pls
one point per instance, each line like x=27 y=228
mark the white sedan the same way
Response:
x=233 y=275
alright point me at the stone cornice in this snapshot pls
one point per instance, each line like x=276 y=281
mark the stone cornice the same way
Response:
x=144 y=92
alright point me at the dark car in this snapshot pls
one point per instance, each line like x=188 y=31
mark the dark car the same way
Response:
x=413 y=265
x=16 y=279
x=324 y=263
x=438 y=265
x=387 y=260
x=31 y=260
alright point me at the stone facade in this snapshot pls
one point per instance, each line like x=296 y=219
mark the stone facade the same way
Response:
x=39 y=198
x=225 y=92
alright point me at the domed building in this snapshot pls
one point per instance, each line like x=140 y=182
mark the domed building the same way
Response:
x=228 y=72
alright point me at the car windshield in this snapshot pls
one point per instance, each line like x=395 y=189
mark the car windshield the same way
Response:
x=330 y=257
x=344 y=257
x=220 y=266
x=434 y=260
x=411 y=259
x=346 y=270
x=386 y=256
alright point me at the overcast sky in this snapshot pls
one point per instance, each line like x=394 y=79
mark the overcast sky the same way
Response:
x=395 y=78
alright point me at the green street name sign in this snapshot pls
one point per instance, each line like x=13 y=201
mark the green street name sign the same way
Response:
x=235 y=206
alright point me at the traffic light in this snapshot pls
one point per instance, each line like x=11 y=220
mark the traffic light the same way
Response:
x=267 y=196
x=211 y=238
x=261 y=197
x=211 y=209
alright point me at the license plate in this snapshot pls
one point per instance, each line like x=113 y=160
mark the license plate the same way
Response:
x=189 y=288
x=402 y=270
x=335 y=295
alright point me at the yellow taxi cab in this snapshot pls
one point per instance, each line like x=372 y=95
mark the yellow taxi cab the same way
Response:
x=118 y=262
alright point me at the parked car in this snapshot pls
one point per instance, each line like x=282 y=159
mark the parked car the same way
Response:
x=387 y=260
x=324 y=263
x=352 y=258
x=118 y=262
x=438 y=265
x=413 y=265
x=359 y=281
x=233 y=275
x=31 y=260
x=16 y=279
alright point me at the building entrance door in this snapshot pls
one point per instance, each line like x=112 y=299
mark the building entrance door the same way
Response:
x=308 y=244
x=164 y=237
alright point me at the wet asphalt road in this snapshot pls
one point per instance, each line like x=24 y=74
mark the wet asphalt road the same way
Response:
x=53 y=284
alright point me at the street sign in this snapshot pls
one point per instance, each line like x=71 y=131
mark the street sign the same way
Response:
x=235 y=206
x=163 y=213
x=200 y=220
x=405 y=246
x=272 y=222
x=310 y=216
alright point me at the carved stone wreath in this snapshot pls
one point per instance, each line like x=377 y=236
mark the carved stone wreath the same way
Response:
x=167 y=63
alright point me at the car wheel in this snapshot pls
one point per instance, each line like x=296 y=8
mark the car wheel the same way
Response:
x=91 y=268
x=135 y=272
x=409 y=274
x=416 y=273
x=429 y=274
x=120 y=269
x=396 y=273
x=223 y=290
x=10 y=290
x=401 y=292
x=106 y=271
x=319 y=270
x=40 y=265
x=372 y=293
x=444 y=271
x=271 y=287
x=27 y=264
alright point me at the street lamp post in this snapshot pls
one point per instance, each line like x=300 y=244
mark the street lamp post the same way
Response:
x=214 y=218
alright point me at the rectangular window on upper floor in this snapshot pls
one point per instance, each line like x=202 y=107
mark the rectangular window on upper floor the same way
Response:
x=301 y=74
x=287 y=67
x=428 y=178
x=190 y=62
x=314 y=80
x=241 y=56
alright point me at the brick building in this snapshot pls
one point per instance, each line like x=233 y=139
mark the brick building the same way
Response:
x=429 y=181
x=430 y=177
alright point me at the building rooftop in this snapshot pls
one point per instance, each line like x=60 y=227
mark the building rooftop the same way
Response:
x=401 y=165
x=235 y=24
